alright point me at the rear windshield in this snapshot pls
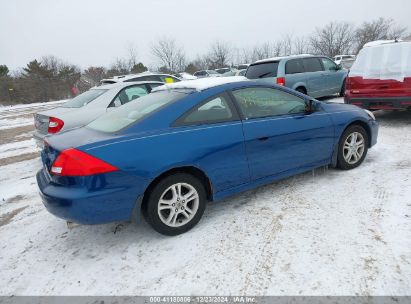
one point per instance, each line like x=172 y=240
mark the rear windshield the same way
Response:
x=387 y=61
x=83 y=99
x=121 y=117
x=262 y=70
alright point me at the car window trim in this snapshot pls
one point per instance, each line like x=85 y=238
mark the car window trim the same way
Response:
x=314 y=57
x=295 y=59
x=242 y=115
x=322 y=63
x=179 y=122
x=111 y=104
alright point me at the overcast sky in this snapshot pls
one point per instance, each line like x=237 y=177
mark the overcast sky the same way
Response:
x=95 y=32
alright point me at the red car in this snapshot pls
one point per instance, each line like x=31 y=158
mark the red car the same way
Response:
x=380 y=78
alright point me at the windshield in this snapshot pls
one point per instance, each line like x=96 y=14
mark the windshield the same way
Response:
x=262 y=70
x=121 y=117
x=83 y=99
x=212 y=72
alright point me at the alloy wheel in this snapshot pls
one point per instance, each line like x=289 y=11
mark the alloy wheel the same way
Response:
x=354 y=147
x=178 y=204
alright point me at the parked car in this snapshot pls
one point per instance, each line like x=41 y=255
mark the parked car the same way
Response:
x=380 y=78
x=87 y=106
x=235 y=73
x=206 y=73
x=223 y=70
x=193 y=141
x=185 y=76
x=145 y=76
x=347 y=63
x=339 y=58
x=316 y=76
x=242 y=66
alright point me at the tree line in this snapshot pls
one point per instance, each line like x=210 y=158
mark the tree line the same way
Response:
x=50 y=78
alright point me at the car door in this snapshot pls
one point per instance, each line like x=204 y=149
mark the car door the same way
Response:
x=279 y=135
x=333 y=77
x=294 y=74
x=128 y=94
x=213 y=134
x=315 y=77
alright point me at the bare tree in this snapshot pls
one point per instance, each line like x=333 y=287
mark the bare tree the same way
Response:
x=170 y=55
x=277 y=48
x=220 y=54
x=131 y=56
x=333 y=39
x=120 y=66
x=287 y=44
x=300 y=45
x=377 y=30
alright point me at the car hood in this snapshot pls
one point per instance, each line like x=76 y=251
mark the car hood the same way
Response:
x=334 y=107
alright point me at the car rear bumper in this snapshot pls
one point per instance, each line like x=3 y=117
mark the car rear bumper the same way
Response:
x=101 y=199
x=379 y=103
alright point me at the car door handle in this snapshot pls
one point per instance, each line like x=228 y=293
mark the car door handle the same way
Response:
x=384 y=87
x=263 y=138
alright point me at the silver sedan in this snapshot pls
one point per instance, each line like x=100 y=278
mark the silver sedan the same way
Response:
x=87 y=106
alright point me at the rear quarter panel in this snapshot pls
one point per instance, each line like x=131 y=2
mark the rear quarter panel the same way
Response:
x=217 y=150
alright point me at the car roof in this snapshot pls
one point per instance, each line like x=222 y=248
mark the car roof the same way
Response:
x=383 y=42
x=123 y=84
x=122 y=78
x=200 y=84
x=272 y=59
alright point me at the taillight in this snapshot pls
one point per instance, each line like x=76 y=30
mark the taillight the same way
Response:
x=281 y=81
x=73 y=162
x=55 y=125
x=347 y=83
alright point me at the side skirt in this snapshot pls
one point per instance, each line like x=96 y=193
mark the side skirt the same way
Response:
x=266 y=180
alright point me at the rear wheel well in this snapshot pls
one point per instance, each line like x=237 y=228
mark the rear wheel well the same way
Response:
x=202 y=177
x=301 y=89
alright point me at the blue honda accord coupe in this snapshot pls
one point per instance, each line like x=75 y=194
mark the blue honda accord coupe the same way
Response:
x=167 y=153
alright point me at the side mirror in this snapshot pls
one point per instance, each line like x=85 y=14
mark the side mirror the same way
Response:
x=339 y=67
x=309 y=106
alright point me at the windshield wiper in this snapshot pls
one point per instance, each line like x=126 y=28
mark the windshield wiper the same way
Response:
x=265 y=74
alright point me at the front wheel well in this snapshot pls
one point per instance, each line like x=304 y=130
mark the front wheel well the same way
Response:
x=186 y=169
x=361 y=124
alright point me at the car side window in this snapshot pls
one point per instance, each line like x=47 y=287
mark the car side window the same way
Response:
x=215 y=110
x=312 y=64
x=151 y=86
x=294 y=66
x=144 y=78
x=128 y=94
x=265 y=102
x=328 y=64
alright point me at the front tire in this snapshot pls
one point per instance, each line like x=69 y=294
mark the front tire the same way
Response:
x=352 y=148
x=176 y=204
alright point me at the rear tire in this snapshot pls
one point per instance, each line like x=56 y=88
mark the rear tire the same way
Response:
x=176 y=204
x=352 y=148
